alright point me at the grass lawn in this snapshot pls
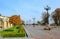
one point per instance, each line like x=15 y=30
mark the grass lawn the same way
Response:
x=17 y=31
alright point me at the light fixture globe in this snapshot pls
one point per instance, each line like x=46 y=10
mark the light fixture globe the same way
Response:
x=47 y=8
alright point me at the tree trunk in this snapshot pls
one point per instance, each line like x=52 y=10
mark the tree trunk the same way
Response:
x=59 y=18
x=56 y=22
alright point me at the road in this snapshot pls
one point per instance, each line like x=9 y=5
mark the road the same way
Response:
x=38 y=32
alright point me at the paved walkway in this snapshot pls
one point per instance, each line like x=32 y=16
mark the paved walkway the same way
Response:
x=37 y=32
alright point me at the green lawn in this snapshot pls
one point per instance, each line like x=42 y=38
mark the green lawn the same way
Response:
x=17 y=31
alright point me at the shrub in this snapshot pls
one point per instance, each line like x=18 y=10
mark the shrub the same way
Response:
x=8 y=30
x=12 y=34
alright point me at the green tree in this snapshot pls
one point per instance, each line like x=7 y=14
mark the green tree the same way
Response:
x=45 y=17
x=23 y=22
x=38 y=22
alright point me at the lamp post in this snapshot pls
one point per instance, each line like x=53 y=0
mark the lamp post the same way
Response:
x=29 y=22
x=47 y=8
x=33 y=22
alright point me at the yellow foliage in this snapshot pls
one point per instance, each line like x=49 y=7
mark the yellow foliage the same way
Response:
x=15 y=20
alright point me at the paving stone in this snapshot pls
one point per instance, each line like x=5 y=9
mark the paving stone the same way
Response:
x=37 y=32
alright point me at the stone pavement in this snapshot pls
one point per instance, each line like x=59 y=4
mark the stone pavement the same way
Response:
x=37 y=32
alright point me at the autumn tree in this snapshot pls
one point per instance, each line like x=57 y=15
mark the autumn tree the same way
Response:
x=15 y=20
x=56 y=16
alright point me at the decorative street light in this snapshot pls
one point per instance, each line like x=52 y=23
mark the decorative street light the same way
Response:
x=47 y=8
x=33 y=21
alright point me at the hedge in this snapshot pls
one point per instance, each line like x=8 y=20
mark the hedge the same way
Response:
x=12 y=34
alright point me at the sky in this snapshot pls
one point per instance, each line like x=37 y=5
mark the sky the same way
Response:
x=27 y=9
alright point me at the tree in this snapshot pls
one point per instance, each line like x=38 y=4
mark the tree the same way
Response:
x=56 y=16
x=38 y=22
x=15 y=20
x=45 y=16
x=23 y=22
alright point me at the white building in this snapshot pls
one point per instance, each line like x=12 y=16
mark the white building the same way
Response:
x=4 y=22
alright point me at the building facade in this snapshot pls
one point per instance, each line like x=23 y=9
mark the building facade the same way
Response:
x=4 y=22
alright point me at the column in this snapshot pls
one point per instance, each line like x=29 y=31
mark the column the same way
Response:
x=5 y=25
x=9 y=24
